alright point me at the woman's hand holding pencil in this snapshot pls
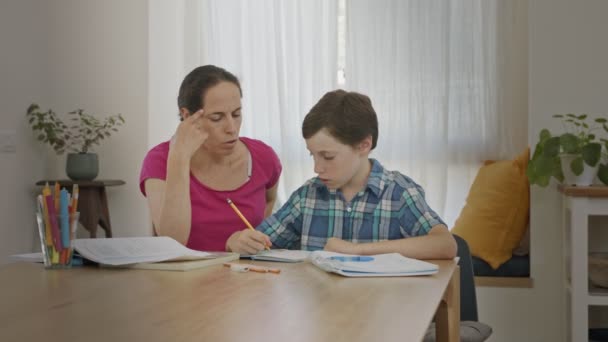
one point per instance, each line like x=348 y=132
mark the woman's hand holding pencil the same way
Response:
x=248 y=241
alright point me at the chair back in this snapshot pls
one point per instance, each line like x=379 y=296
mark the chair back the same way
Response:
x=468 y=296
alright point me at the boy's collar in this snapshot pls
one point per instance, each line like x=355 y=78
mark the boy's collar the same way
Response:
x=375 y=181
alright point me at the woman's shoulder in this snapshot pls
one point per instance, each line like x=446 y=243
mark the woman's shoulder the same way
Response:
x=260 y=151
x=257 y=146
x=158 y=153
x=264 y=159
x=161 y=148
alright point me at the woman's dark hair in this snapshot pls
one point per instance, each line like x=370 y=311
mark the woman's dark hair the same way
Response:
x=348 y=116
x=198 y=81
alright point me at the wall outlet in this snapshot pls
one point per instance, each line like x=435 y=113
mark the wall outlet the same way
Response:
x=8 y=141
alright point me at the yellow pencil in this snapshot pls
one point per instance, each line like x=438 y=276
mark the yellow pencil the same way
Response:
x=46 y=192
x=238 y=212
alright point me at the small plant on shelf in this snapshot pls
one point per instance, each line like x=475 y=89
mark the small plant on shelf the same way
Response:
x=79 y=135
x=579 y=147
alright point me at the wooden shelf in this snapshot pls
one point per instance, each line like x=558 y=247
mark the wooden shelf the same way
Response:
x=584 y=191
x=519 y=282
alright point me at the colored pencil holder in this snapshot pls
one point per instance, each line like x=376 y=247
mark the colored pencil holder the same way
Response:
x=56 y=239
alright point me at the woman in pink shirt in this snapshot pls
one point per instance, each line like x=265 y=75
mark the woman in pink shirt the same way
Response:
x=187 y=180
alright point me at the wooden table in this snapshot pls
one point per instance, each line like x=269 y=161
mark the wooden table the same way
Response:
x=303 y=303
x=92 y=202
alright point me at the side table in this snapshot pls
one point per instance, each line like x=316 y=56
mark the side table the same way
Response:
x=92 y=202
x=579 y=204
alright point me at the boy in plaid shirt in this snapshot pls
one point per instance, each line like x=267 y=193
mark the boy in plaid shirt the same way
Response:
x=354 y=205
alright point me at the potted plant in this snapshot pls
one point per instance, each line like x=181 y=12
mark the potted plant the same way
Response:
x=573 y=156
x=77 y=138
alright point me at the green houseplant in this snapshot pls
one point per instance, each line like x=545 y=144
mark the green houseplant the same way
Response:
x=575 y=153
x=81 y=132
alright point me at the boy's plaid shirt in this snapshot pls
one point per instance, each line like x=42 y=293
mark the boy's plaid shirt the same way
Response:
x=392 y=206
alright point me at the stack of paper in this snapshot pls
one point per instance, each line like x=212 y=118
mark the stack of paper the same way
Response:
x=381 y=265
x=159 y=252
x=27 y=257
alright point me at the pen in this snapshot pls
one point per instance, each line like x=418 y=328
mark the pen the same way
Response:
x=355 y=258
x=238 y=212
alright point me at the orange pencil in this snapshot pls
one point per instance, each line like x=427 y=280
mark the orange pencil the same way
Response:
x=238 y=212
x=264 y=269
x=252 y=268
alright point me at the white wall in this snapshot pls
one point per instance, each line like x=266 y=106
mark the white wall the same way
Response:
x=99 y=61
x=24 y=78
x=166 y=67
x=67 y=55
x=568 y=54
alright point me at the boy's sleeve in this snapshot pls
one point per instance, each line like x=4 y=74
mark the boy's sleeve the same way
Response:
x=284 y=227
x=416 y=217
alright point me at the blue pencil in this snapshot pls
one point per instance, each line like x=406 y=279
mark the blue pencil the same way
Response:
x=65 y=218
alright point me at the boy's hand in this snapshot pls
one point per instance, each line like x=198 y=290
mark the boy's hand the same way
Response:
x=341 y=246
x=247 y=241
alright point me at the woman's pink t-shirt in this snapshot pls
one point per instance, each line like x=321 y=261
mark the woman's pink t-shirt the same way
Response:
x=213 y=220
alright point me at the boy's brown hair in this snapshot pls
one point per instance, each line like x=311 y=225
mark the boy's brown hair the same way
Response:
x=348 y=116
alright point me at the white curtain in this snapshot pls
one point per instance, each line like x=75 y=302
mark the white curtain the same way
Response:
x=448 y=80
x=284 y=53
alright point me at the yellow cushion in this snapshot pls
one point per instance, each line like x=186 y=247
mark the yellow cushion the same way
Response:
x=494 y=218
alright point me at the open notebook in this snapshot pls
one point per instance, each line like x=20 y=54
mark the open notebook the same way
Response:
x=380 y=265
x=159 y=252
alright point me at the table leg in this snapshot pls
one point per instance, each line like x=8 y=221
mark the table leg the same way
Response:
x=104 y=221
x=447 y=318
x=88 y=206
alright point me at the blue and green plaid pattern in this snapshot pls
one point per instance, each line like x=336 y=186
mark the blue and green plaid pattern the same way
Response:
x=392 y=206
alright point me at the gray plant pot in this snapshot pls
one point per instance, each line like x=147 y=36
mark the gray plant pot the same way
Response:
x=82 y=166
